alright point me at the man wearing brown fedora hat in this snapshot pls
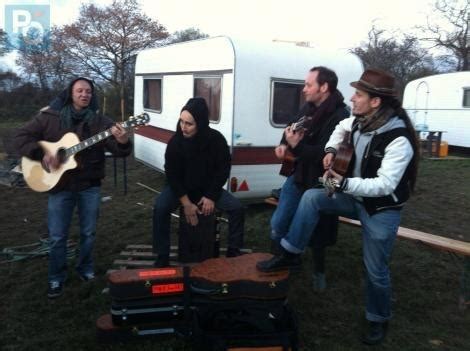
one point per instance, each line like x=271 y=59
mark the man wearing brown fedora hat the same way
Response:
x=378 y=182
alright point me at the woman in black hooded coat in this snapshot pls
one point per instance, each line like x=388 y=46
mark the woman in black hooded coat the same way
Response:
x=197 y=165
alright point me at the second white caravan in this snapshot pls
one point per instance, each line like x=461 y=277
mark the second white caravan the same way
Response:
x=441 y=103
x=253 y=89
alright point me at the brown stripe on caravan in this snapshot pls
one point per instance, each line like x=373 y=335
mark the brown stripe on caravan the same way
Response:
x=241 y=155
x=155 y=133
x=250 y=155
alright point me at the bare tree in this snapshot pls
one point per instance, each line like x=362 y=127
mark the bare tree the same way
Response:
x=104 y=40
x=454 y=36
x=33 y=60
x=187 y=35
x=405 y=59
x=4 y=47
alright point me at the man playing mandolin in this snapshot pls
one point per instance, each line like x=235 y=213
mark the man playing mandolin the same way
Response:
x=374 y=190
x=74 y=110
x=306 y=140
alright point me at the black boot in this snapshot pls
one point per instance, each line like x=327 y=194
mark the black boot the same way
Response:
x=275 y=248
x=163 y=260
x=286 y=260
x=375 y=334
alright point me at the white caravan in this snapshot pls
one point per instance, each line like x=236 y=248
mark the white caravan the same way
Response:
x=253 y=89
x=441 y=103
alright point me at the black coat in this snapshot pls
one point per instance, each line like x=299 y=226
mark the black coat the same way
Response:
x=309 y=153
x=198 y=166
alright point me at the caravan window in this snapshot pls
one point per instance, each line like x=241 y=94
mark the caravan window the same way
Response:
x=286 y=100
x=466 y=97
x=209 y=88
x=153 y=94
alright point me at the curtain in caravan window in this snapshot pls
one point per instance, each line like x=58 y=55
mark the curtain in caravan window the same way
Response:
x=287 y=100
x=153 y=94
x=209 y=88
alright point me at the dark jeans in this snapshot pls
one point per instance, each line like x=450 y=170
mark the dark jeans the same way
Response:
x=167 y=202
x=289 y=199
x=61 y=206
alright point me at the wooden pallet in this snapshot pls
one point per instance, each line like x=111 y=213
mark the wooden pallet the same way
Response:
x=141 y=256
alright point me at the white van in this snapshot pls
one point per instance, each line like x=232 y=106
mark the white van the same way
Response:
x=253 y=90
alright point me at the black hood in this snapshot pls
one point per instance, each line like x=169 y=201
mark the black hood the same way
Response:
x=197 y=107
x=65 y=97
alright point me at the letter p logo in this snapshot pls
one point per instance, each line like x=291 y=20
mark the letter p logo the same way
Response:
x=27 y=21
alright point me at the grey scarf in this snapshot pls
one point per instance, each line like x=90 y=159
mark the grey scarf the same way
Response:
x=375 y=121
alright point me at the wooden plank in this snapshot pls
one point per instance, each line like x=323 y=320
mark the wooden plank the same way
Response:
x=447 y=244
x=350 y=221
x=133 y=263
x=173 y=248
x=439 y=242
x=141 y=256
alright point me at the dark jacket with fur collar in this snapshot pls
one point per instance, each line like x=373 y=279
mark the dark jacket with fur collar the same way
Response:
x=91 y=161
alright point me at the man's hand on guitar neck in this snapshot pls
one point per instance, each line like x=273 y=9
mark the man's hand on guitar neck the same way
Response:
x=120 y=133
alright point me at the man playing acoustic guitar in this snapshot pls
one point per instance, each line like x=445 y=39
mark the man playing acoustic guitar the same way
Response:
x=74 y=110
x=374 y=190
x=306 y=140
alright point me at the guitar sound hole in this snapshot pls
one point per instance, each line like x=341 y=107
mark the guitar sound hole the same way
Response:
x=61 y=155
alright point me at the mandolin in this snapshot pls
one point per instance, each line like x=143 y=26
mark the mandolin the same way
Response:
x=40 y=178
x=288 y=162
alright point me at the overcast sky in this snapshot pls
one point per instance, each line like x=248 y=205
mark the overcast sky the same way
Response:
x=332 y=23
x=324 y=23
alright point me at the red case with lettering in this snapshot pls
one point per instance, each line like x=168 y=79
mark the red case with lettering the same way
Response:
x=148 y=295
x=132 y=284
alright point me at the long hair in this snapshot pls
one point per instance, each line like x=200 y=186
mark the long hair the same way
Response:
x=394 y=103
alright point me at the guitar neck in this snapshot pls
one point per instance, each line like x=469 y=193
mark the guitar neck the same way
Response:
x=91 y=141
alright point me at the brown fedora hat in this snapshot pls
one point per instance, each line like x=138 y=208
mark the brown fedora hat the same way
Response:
x=376 y=81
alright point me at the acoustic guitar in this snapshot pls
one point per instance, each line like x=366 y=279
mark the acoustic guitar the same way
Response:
x=40 y=178
x=288 y=162
x=341 y=162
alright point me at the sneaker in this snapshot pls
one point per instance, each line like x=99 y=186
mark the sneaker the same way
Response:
x=55 y=289
x=87 y=277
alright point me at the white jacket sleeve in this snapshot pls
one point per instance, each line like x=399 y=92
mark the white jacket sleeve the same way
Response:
x=397 y=156
x=338 y=134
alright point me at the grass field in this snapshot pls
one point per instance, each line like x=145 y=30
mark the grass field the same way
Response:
x=426 y=281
